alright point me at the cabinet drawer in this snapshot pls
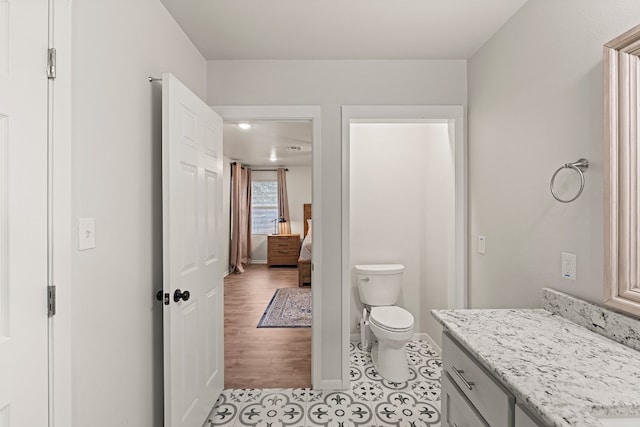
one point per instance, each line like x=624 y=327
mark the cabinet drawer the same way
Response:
x=284 y=251
x=456 y=409
x=493 y=402
x=283 y=244
x=282 y=259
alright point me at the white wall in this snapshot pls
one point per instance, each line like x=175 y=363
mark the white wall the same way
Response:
x=332 y=84
x=535 y=103
x=116 y=132
x=402 y=192
x=298 y=192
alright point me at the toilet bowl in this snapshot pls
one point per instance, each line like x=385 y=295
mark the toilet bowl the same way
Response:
x=379 y=288
x=392 y=327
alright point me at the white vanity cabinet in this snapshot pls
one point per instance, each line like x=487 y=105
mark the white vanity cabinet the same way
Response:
x=457 y=411
x=472 y=397
x=524 y=420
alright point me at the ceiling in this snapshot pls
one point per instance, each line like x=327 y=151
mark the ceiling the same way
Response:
x=268 y=138
x=329 y=29
x=340 y=29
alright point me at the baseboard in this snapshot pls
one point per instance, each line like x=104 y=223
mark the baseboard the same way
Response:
x=426 y=337
x=258 y=261
x=329 y=385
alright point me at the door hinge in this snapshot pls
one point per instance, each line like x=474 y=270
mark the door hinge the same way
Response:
x=51 y=300
x=51 y=63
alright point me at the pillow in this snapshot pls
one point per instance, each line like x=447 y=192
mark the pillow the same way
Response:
x=308 y=227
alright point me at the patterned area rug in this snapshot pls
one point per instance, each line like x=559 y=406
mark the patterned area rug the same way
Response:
x=289 y=308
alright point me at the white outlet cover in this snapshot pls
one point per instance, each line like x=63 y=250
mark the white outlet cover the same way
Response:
x=482 y=245
x=86 y=233
x=568 y=266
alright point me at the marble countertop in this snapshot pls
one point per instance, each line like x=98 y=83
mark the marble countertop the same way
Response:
x=562 y=372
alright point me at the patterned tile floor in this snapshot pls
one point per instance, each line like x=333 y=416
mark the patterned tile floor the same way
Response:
x=371 y=401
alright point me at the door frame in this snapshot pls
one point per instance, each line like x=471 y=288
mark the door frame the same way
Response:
x=455 y=116
x=298 y=112
x=61 y=222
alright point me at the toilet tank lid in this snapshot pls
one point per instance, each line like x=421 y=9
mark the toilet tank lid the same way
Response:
x=379 y=268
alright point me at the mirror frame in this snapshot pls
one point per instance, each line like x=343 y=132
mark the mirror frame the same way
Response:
x=622 y=172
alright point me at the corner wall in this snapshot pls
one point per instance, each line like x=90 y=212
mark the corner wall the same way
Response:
x=535 y=94
x=402 y=212
x=116 y=171
x=332 y=84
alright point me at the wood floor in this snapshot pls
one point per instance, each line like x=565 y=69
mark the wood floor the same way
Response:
x=262 y=357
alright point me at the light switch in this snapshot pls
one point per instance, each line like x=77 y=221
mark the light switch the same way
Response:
x=482 y=245
x=86 y=233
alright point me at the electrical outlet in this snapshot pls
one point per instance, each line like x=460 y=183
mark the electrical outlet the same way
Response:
x=569 y=266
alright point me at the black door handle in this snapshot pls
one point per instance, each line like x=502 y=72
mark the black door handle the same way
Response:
x=162 y=297
x=179 y=295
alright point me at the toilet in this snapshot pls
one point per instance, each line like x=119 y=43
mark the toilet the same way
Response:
x=379 y=288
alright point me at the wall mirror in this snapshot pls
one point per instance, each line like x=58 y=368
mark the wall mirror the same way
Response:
x=622 y=172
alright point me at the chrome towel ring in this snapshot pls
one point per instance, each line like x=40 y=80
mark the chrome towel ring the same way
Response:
x=579 y=166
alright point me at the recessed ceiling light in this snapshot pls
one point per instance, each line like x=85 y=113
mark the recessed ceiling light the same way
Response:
x=244 y=126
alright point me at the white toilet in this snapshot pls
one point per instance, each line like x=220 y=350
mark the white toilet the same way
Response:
x=379 y=288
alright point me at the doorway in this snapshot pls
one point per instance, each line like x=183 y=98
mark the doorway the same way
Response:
x=267 y=304
x=311 y=115
x=425 y=145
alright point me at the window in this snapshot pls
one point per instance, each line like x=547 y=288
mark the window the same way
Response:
x=264 y=206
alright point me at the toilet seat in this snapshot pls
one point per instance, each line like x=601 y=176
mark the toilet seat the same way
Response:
x=391 y=318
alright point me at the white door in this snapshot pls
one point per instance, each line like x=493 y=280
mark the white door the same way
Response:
x=23 y=213
x=192 y=225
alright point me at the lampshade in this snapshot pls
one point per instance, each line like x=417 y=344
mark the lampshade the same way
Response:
x=283 y=226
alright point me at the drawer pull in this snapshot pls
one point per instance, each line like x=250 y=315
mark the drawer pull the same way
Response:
x=459 y=372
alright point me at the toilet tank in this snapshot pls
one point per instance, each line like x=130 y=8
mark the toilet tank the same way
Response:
x=379 y=284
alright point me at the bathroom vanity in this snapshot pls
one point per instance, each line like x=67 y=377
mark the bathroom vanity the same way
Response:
x=541 y=367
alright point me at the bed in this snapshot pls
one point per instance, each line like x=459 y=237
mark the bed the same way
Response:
x=304 y=260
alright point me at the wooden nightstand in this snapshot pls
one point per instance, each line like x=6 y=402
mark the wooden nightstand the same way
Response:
x=283 y=249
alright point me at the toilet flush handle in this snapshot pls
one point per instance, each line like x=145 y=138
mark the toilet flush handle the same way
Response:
x=365 y=279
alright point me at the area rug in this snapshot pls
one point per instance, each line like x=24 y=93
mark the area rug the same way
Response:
x=289 y=308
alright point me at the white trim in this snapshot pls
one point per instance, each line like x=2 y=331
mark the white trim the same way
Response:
x=455 y=116
x=427 y=337
x=312 y=113
x=60 y=374
x=329 y=385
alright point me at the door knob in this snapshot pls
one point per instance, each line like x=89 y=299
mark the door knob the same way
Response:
x=179 y=295
x=162 y=297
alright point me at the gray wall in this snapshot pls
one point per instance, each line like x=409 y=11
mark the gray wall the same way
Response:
x=332 y=84
x=402 y=212
x=536 y=102
x=116 y=322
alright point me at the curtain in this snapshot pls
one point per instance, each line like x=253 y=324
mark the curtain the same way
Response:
x=283 y=202
x=240 y=255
